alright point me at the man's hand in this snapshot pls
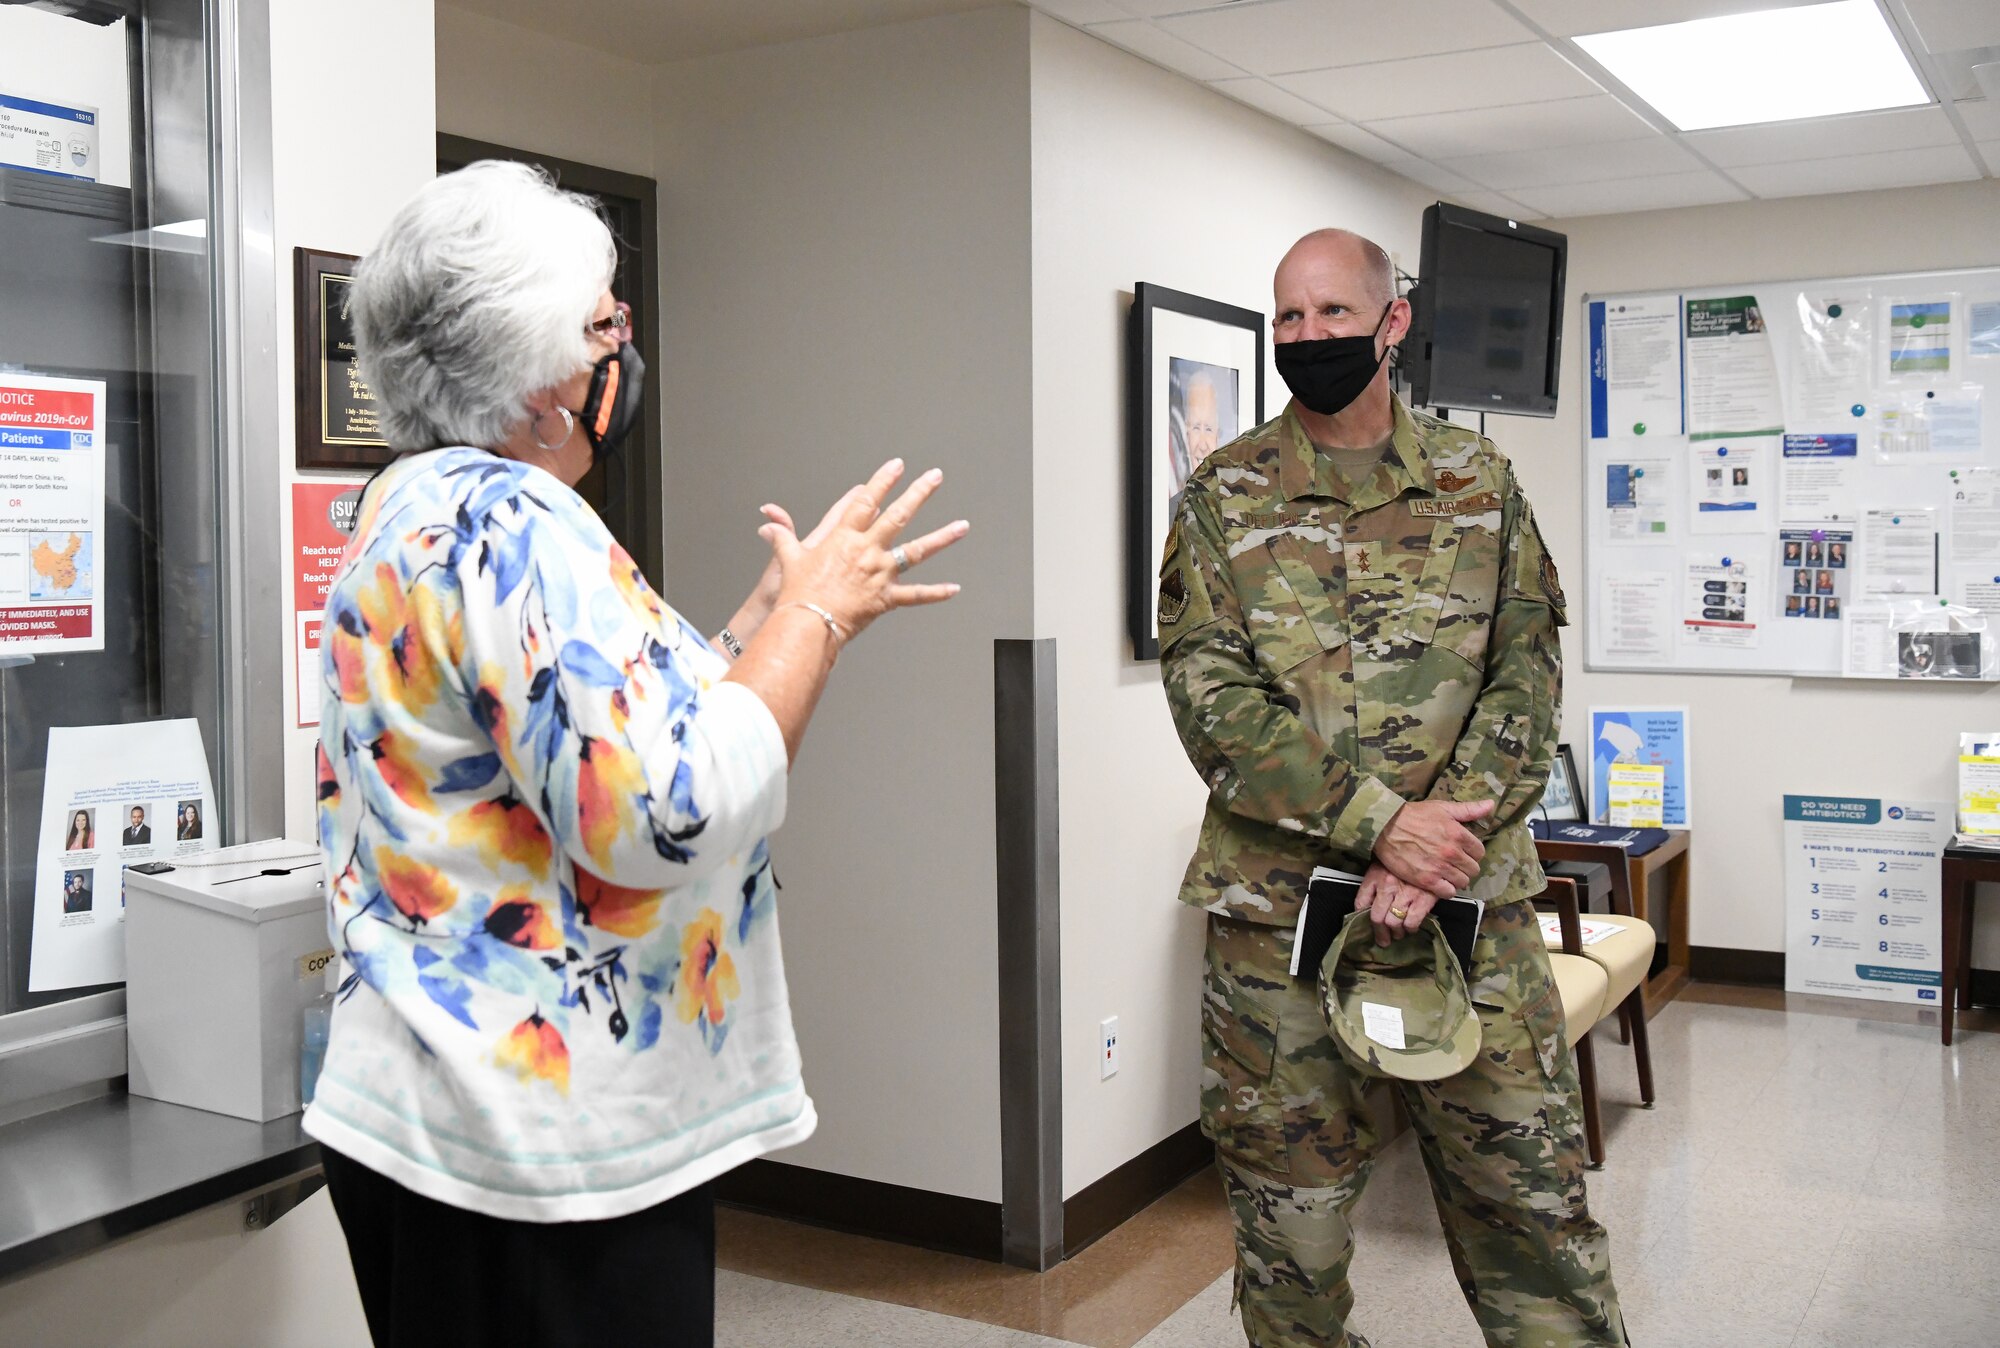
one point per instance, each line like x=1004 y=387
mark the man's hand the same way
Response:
x=1395 y=908
x=1427 y=845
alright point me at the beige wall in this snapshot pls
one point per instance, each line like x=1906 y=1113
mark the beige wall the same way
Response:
x=1758 y=737
x=1140 y=176
x=366 y=81
x=529 y=91
x=844 y=244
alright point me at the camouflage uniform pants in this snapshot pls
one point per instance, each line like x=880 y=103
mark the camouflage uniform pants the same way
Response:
x=1502 y=1142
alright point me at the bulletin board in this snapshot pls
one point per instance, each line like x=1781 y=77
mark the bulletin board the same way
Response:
x=1798 y=478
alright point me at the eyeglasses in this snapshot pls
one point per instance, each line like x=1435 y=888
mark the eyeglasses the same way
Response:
x=618 y=326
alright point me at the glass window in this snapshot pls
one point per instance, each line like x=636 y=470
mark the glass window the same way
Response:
x=109 y=605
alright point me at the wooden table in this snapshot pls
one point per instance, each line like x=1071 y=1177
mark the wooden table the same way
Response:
x=1964 y=868
x=1634 y=881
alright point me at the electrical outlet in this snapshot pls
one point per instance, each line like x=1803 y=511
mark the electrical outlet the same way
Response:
x=1107 y=1062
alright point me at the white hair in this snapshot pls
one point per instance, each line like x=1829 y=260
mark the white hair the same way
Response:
x=477 y=297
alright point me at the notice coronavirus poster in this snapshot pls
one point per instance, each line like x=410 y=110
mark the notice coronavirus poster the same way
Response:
x=322 y=522
x=51 y=514
x=1864 y=897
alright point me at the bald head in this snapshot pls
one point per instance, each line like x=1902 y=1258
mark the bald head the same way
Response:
x=1324 y=253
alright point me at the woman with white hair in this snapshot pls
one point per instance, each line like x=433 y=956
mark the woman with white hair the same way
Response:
x=543 y=800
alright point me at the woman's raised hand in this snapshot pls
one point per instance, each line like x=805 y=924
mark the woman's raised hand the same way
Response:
x=851 y=565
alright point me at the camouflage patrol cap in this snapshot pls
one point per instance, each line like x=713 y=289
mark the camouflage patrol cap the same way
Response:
x=1400 y=1010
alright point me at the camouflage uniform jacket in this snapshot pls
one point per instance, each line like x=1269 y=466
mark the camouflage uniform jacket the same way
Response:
x=1327 y=660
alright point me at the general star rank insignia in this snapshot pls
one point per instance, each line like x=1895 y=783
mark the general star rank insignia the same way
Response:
x=1449 y=481
x=1173 y=598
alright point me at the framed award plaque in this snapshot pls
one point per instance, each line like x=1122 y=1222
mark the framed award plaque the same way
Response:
x=338 y=425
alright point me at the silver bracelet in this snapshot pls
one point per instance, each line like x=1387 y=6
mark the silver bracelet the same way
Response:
x=832 y=625
x=730 y=643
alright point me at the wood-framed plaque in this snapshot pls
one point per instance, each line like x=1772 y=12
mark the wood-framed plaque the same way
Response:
x=338 y=424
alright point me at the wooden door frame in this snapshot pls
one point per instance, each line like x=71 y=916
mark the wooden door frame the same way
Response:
x=643 y=476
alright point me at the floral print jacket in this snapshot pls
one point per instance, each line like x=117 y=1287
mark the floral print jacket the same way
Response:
x=544 y=820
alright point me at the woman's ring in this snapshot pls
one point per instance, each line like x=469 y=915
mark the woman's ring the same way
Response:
x=1399 y=913
x=902 y=558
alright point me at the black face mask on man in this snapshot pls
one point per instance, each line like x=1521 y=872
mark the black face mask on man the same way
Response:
x=1327 y=373
x=617 y=387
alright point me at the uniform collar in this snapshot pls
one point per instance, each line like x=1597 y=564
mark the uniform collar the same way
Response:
x=1304 y=471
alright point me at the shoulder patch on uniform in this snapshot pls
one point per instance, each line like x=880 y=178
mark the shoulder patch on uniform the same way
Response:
x=1551 y=582
x=1432 y=507
x=1173 y=598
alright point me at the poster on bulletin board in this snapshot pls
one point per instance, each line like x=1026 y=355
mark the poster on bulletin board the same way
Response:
x=1797 y=478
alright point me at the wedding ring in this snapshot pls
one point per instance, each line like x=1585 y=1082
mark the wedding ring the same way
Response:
x=1399 y=912
x=902 y=558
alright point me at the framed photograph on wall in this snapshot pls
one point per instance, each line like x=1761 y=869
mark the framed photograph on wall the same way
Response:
x=1562 y=800
x=338 y=426
x=1196 y=383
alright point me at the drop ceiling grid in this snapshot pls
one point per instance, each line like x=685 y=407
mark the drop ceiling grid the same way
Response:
x=1448 y=92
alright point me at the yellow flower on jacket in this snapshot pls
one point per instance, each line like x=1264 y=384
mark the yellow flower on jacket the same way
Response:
x=708 y=975
x=419 y=892
x=503 y=829
x=623 y=912
x=535 y=1050
x=607 y=782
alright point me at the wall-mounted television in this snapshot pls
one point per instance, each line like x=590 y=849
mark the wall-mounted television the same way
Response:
x=1486 y=324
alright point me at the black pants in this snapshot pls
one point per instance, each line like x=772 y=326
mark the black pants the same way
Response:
x=431 y=1274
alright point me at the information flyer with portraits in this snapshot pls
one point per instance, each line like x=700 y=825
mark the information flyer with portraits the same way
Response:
x=1864 y=897
x=113 y=796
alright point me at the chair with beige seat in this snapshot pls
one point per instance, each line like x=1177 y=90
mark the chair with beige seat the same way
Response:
x=1595 y=981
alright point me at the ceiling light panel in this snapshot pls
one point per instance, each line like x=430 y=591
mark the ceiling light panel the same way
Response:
x=1287 y=35
x=1771 y=66
x=1566 y=18
x=1530 y=72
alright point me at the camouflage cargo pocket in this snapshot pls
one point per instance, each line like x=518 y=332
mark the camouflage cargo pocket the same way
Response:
x=1240 y=1108
x=1465 y=624
x=1299 y=613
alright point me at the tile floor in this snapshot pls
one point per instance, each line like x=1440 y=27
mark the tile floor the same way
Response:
x=1817 y=1174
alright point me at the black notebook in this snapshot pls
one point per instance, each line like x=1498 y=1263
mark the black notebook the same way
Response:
x=1330 y=898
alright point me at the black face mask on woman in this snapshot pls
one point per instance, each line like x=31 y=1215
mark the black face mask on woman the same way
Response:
x=617 y=386
x=1327 y=373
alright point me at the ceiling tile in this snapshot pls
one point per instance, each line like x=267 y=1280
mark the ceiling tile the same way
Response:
x=1265 y=97
x=1990 y=151
x=1433 y=177
x=1860 y=172
x=1529 y=72
x=1567 y=18
x=1285 y=35
x=1495 y=204
x=1953 y=25
x=1575 y=164
x=1143 y=39
x=1982 y=117
x=1569 y=121
x=1630 y=194
x=1364 y=143
x=1824 y=137
x=1153 y=9
x=1081 y=12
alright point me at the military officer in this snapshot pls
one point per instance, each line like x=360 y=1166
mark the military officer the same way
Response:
x=1358 y=633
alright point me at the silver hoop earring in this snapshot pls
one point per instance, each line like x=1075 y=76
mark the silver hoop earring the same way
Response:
x=569 y=428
